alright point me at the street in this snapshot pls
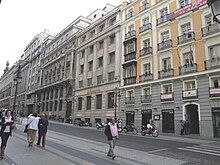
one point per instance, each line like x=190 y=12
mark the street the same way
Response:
x=67 y=144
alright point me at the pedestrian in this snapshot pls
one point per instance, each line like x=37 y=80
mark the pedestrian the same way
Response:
x=6 y=130
x=111 y=131
x=32 y=122
x=42 y=129
x=181 y=124
x=186 y=127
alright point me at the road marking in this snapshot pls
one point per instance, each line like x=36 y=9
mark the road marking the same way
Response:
x=185 y=149
x=159 y=150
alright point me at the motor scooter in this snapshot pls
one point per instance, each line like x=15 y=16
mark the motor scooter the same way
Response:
x=130 y=128
x=150 y=131
x=100 y=125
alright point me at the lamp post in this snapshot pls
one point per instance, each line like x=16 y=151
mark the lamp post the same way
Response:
x=215 y=8
x=116 y=95
x=17 y=80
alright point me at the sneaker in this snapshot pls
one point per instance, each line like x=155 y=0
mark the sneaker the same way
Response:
x=113 y=157
x=109 y=155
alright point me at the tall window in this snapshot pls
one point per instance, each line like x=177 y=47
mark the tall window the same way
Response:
x=81 y=69
x=80 y=103
x=163 y=12
x=111 y=58
x=166 y=64
x=145 y=21
x=215 y=82
x=214 y=51
x=167 y=88
x=130 y=71
x=61 y=105
x=183 y=3
x=92 y=33
x=208 y=20
x=100 y=62
x=131 y=28
x=130 y=94
x=91 y=49
x=165 y=36
x=113 y=21
x=89 y=81
x=88 y=102
x=82 y=53
x=101 y=44
x=188 y=58
x=112 y=39
x=101 y=27
x=111 y=76
x=80 y=84
x=90 y=65
x=190 y=85
x=146 y=92
x=130 y=47
x=99 y=79
x=185 y=28
x=99 y=101
x=147 y=69
x=146 y=43
x=111 y=100
x=84 y=38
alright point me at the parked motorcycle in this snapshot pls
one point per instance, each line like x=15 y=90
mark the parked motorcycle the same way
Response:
x=150 y=131
x=130 y=128
x=100 y=125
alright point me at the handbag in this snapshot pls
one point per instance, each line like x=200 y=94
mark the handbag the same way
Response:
x=26 y=127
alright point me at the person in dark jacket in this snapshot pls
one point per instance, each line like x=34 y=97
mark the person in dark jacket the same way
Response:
x=42 y=129
x=111 y=131
x=6 y=131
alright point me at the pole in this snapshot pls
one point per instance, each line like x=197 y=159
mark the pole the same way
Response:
x=115 y=100
x=14 y=105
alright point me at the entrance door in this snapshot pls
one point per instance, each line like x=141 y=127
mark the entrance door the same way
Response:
x=168 y=121
x=192 y=116
x=146 y=116
x=68 y=109
x=216 y=121
x=129 y=118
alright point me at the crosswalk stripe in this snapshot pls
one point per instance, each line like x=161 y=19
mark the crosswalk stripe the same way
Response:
x=207 y=147
x=203 y=149
x=204 y=152
x=210 y=146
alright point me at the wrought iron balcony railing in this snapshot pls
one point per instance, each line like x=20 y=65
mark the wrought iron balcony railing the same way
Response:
x=164 y=45
x=146 y=98
x=146 y=77
x=168 y=96
x=130 y=34
x=129 y=100
x=165 y=73
x=146 y=51
x=165 y=18
x=211 y=29
x=188 y=68
x=145 y=27
x=130 y=80
x=130 y=56
x=212 y=63
x=190 y=94
x=190 y=36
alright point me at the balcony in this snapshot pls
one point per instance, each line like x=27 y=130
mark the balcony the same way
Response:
x=168 y=96
x=146 y=51
x=212 y=63
x=146 y=77
x=130 y=80
x=166 y=73
x=129 y=15
x=145 y=27
x=190 y=94
x=190 y=36
x=144 y=7
x=164 y=45
x=211 y=29
x=146 y=99
x=130 y=56
x=165 y=18
x=129 y=100
x=188 y=68
x=130 y=35
x=214 y=92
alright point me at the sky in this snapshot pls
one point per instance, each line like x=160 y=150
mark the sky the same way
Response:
x=22 y=20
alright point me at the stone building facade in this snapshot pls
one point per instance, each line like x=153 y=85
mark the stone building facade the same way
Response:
x=171 y=66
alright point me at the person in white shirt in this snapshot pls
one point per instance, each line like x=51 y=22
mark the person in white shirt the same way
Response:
x=32 y=122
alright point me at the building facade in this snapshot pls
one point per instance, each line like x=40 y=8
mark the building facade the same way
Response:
x=98 y=67
x=171 y=65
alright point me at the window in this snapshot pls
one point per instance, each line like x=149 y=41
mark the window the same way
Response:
x=188 y=58
x=167 y=88
x=185 y=28
x=82 y=53
x=89 y=81
x=145 y=21
x=111 y=58
x=99 y=101
x=102 y=27
x=100 y=62
x=112 y=39
x=111 y=76
x=84 y=38
x=92 y=33
x=81 y=69
x=183 y=3
x=91 y=49
x=163 y=12
x=80 y=84
x=208 y=20
x=80 y=103
x=88 y=102
x=147 y=69
x=165 y=36
x=131 y=28
x=146 y=92
x=101 y=44
x=113 y=21
x=166 y=64
x=61 y=105
x=130 y=47
x=130 y=94
x=213 y=51
x=99 y=79
x=129 y=71
x=190 y=85
x=111 y=100
x=215 y=82
x=146 y=43
x=90 y=65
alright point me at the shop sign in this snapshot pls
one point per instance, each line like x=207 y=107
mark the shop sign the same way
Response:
x=156 y=117
x=171 y=111
x=130 y=112
x=166 y=96
x=189 y=7
x=216 y=110
x=148 y=111
x=191 y=93
x=215 y=91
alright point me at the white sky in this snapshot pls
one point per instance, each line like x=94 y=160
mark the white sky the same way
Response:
x=21 y=20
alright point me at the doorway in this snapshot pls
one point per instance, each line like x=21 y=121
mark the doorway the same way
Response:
x=192 y=115
x=216 y=121
x=146 y=116
x=168 y=120
x=129 y=118
x=68 y=109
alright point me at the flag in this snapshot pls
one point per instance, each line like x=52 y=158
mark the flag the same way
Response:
x=191 y=59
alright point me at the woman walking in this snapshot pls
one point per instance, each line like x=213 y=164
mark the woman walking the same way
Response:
x=32 y=128
x=6 y=131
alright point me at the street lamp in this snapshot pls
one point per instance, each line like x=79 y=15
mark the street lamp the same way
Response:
x=116 y=95
x=17 y=79
x=215 y=7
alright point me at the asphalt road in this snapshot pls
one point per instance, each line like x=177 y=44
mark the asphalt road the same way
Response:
x=192 y=152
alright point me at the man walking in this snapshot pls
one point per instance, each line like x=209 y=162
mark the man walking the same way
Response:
x=32 y=128
x=111 y=131
x=42 y=129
